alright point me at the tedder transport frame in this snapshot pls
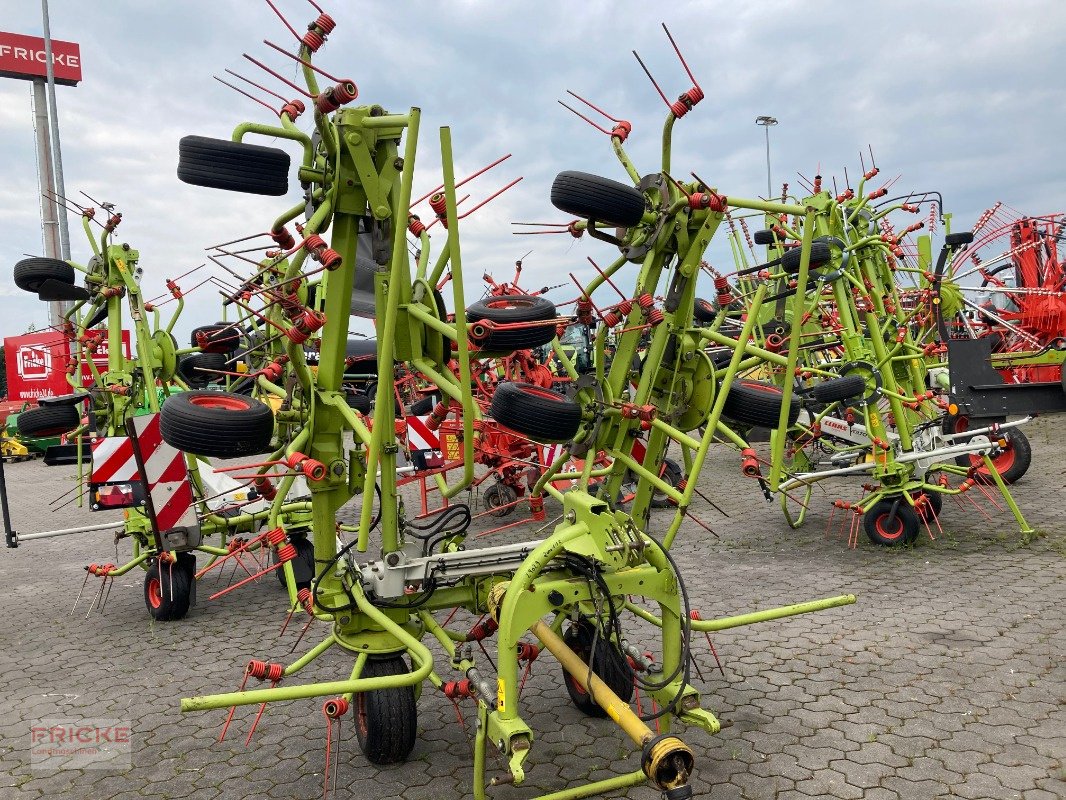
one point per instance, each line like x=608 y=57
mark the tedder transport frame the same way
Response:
x=358 y=171
x=848 y=320
x=125 y=394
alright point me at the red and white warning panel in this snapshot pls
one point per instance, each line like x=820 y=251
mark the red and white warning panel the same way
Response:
x=419 y=436
x=165 y=476
x=115 y=481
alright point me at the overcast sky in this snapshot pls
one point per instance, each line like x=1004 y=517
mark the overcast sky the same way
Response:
x=964 y=97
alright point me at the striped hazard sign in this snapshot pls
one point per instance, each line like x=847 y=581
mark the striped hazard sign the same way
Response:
x=419 y=436
x=113 y=460
x=166 y=477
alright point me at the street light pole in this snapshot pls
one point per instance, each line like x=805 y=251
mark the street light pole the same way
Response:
x=767 y=123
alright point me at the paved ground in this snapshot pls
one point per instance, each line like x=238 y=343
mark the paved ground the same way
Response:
x=944 y=680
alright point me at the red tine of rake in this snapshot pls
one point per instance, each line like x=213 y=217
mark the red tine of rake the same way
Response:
x=271 y=92
x=280 y=77
x=490 y=198
x=465 y=180
x=249 y=579
x=250 y=96
x=603 y=275
x=307 y=64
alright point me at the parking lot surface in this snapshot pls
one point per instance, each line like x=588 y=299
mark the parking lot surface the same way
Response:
x=945 y=679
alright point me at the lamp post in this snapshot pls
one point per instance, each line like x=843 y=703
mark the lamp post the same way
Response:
x=767 y=123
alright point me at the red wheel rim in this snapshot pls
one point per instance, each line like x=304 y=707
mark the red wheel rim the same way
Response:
x=507 y=302
x=761 y=387
x=885 y=534
x=222 y=401
x=360 y=714
x=536 y=391
x=155 y=594
x=576 y=684
x=1003 y=462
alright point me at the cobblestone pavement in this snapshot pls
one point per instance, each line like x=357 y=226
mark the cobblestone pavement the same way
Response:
x=944 y=680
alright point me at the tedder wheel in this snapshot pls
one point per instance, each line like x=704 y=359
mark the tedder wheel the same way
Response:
x=765 y=237
x=222 y=337
x=424 y=406
x=168 y=590
x=672 y=474
x=956 y=239
x=540 y=414
x=47 y=421
x=510 y=309
x=757 y=403
x=358 y=402
x=608 y=664
x=200 y=369
x=499 y=498
x=841 y=388
x=236 y=166
x=303 y=566
x=936 y=502
x=1013 y=461
x=820 y=254
x=887 y=530
x=385 y=719
x=704 y=310
x=30 y=273
x=599 y=199
x=216 y=424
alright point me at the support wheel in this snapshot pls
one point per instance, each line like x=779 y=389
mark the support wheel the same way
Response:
x=600 y=199
x=758 y=403
x=887 y=529
x=236 y=166
x=1013 y=460
x=216 y=424
x=540 y=414
x=303 y=566
x=673 y=475
x=168 y=589
x=30 y=273
x=385 y=719
x=507 y=311
x=498 y=500
x=607 y=663
x=47 y=421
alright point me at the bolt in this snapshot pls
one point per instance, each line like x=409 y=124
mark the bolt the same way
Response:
x=337 y=468
x=571 y=517
x=398 y=162
x=345 y=620
x=392 y=559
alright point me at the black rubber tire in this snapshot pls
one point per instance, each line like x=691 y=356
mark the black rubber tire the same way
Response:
x=607 y=663
x=673 y=475
x=234 y=166
x=385 y=719
x=820 y=254
x=704 y=310
x=1012 y=464
x=358 y=402
x=498 y=499
x=511 y=309
x=540 y=414
x=303 y=566
x=168 y=590
x=764 y=237
x=216 y=424
x=30 y=273
x=752 y=402
x=47 y=421
x=222 y=337
x=424 y=406
x=841 y=388
x=903 y=529
x=600 y=199
x=957 y=239
x=190 y=369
